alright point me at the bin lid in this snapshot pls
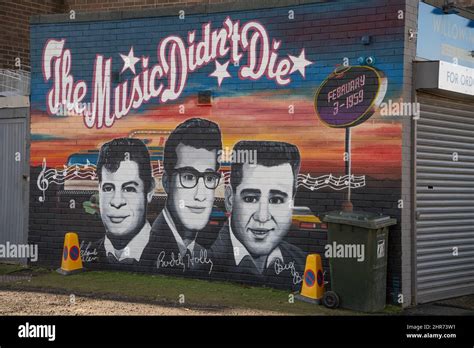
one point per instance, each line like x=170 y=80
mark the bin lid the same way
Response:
x=360 y=218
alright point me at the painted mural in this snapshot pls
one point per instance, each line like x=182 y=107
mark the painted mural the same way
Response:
x=211 y=145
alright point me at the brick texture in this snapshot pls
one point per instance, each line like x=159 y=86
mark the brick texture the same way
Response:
x=15 y=18
x=14 y=25
x=256 y=109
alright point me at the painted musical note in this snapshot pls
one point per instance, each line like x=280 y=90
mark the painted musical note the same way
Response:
x=42 y=182
x=328 y=179
x=59 y=176
x=334 y=182
x=305 y=180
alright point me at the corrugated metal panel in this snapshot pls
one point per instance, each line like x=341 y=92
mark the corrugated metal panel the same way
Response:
x=444 y=199
x=12 y=183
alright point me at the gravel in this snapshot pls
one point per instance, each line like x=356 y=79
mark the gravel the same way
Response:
x=35 y=303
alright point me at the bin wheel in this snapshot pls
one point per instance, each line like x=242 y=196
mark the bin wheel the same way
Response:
x=331 y=299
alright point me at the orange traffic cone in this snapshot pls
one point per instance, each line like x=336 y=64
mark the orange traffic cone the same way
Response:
x=312 y=290
x=71 y=260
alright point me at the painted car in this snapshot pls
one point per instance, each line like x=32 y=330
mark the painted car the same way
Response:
x=304 y=219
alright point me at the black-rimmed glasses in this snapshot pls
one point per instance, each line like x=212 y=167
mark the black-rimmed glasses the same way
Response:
x=189 y=177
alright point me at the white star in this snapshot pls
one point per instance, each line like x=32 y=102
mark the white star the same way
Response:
x=129 y=61
x=299 y=63
x=221 y=72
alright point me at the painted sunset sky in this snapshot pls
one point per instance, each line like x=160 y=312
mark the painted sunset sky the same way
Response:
x=244 y=109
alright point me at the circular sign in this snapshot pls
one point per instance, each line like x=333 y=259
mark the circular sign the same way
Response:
x=350 y=96
x=65 y=253
x=320 y=278
x=309 y=277
x=74 y=253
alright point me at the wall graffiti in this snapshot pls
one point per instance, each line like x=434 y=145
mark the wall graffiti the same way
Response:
x=125 y=153
x=259 y=200
x=176 y=62
x=190 y=178
x=125 y=189
x=88 y=171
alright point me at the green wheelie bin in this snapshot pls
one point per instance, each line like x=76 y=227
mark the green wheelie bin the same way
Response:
x=357 y=252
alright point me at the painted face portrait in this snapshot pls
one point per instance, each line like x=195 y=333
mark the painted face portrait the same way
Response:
x=260 y=206
x=191 y=186
x=123 y=199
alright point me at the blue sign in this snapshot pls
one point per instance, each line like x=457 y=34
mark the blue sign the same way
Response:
x=446 y=37
x=320 y=278
x=309 y=278
x=74 y=253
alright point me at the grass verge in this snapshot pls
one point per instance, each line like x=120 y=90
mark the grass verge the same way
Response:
x=164 y=290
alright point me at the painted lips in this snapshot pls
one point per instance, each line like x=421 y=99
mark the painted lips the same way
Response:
x=117 y=219
x=260 y=233
x=196 y=210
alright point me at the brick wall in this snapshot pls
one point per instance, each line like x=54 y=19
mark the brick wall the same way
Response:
x=113 y=5
x=14 y=25
x=325 y=34
x=15 y=19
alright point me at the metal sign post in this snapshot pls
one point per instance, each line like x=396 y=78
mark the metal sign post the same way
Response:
x=347 y=205
x=348 y=97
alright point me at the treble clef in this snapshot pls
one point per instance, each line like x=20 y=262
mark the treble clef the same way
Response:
x=42 y=182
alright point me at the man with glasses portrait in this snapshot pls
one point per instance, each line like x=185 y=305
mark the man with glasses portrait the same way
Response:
x=191 y=175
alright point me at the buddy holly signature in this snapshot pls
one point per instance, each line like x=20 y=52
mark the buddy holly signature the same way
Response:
x=188 y=261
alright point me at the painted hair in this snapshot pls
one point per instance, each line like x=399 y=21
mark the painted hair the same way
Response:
x=269 y=154
x=195 y=132
x=120 y=149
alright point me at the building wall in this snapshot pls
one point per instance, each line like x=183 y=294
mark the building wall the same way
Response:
x=15 y=20
x=112 y=5
x=311 y=40
x=14 y=24
x=406 y=295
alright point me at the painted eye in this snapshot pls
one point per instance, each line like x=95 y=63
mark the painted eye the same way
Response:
x=130 y=189
x=276 y=200
x=210 y=178
x=188 y=177
x=251 y=199
x=107 y=188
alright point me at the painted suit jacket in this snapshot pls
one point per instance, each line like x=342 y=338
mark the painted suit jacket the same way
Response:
x=167 y=256
x=284 y=274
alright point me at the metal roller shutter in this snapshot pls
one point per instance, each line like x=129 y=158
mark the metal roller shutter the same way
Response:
x=444 y=199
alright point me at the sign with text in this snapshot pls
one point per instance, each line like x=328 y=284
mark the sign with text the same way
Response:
x=350 y=96
x=165 y=77
x=448 y=37
x=456 y=78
